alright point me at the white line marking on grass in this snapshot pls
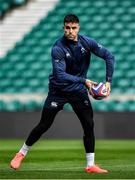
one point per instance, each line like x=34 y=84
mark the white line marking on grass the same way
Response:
x=121 y=165
x=73 y=168
x=80 y=168
x=55 y=169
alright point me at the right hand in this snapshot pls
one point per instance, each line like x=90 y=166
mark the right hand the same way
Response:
x=89 y=83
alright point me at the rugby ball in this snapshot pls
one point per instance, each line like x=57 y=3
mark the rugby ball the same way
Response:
x=99 y=91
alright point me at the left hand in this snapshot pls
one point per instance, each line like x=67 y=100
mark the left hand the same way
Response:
x=108 y=87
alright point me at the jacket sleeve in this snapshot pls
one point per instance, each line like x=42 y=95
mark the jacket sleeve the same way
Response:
x=105 y=54
x=59 y=67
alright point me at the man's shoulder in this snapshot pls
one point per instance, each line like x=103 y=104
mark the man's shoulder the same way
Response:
x=58 y=47
x=58 y=43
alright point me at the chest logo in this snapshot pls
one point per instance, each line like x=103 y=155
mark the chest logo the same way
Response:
x=67 y=55
x=83 y=50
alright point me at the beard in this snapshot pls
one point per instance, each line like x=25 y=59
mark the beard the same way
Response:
x=71 y=37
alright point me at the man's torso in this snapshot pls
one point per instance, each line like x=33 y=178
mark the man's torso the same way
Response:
x=77 y=58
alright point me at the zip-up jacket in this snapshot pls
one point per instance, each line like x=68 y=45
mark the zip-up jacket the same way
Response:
x=71 y=60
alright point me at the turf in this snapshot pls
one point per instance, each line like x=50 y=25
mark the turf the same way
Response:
x=65 y=159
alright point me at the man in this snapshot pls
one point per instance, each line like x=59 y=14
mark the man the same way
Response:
x=68 y=83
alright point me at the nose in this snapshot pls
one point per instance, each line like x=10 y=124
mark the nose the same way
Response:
x=71 y=30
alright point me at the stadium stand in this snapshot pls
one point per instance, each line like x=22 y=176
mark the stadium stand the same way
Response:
x=26 y=67
x=6 y=5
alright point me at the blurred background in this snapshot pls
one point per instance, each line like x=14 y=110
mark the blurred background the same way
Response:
x=28 y=29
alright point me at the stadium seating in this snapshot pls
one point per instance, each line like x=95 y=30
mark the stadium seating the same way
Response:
x=26 y=67
x=6 y=5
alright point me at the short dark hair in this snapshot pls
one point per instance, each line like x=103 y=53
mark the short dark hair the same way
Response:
x=71 y=18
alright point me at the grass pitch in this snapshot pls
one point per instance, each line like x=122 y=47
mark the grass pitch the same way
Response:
x=65 y=159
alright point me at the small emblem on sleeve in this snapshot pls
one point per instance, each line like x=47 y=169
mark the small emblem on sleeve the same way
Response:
x=99 y=45
x=57 y=60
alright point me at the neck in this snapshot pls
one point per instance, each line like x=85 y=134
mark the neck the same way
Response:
x=71 y=41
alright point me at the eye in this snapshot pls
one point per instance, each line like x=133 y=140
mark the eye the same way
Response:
x=67 y=27
x=74 y=27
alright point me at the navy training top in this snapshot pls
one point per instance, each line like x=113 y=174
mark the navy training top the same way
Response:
x=70 y=61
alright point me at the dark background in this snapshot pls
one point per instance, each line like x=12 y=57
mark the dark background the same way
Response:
x=108 y=125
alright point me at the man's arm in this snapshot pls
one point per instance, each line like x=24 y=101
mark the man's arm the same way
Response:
x=109 y=59
x=59 y=67
x=105 y=54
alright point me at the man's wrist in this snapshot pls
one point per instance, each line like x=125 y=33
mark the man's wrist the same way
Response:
x=108 y=79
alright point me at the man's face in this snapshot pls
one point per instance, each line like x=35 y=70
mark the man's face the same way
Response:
x=71 y=30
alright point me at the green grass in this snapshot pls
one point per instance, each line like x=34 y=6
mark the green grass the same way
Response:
x=59 y=159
